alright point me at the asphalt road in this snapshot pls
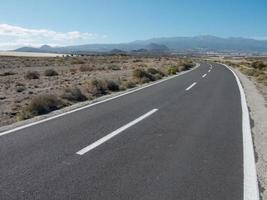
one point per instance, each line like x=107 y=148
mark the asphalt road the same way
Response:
x=180 y=139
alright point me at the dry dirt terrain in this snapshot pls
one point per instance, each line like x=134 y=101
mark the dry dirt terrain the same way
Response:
x=30 y=86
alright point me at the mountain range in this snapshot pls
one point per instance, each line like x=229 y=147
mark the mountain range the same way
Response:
x=200 y=44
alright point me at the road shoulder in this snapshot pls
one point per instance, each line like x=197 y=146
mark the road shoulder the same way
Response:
x=258 y=115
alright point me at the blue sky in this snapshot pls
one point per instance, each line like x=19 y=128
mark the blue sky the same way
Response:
x=58 y=22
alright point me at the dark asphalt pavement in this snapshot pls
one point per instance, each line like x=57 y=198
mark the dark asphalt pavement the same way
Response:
x=191 y=148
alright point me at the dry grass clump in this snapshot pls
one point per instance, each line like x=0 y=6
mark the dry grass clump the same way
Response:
x=188 y=65
x=50 y=72
x=73 y=70
x=172 y=70
x=112 y=85
x=154 y=71
x=114 y=67
x=9 y=73
x=128 y=84
x=20 y=88
x=40 y=105
x=97 y=87
x=250 y=71
x=77 y=62
x=142 y=76
x=258 y=65
x=85 y=68
x=32 y=75
x=73 y=95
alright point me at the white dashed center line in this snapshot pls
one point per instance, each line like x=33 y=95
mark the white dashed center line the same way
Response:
x=114 y=133
x=192 y=85
x=204 y=75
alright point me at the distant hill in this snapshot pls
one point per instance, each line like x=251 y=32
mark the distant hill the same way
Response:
x=163 y=45
x=43 y=49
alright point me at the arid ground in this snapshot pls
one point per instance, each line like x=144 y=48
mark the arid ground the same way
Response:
x=26 y=82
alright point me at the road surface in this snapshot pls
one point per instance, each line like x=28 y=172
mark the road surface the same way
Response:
x=179 y=139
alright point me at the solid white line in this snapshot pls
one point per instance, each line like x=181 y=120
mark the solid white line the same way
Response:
x=114 y=133
x=251 y=190
x=192 y=85
x=204 y=75
x=93 y=104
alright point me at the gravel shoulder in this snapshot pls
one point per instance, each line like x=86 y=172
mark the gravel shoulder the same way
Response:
x=256 y=99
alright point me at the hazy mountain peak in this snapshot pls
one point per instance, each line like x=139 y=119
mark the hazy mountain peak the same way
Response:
x=202 y=43
x=45 y=47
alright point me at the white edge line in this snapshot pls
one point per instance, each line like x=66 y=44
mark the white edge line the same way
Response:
x=251 y=190
x=114 y=133
x=204 y=75
x=93 y=104
x=192 y=85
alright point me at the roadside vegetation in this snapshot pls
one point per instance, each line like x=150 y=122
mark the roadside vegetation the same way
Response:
x=253 y=68
x=43 y=85
x=39 y=105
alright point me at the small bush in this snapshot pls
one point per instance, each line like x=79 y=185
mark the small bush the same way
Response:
x=9 y=73
x=262 y=78
x=142 y=74
x=188 y=65
x=258 y=65
x=250 y=71
x=153 y=71
x=144 y=80
x=114 y=67
x=20 y=88
x=97 y=87
x=39 y=105
x=50 y=72
x=158 y=76
x=112 y=85
x=156 y=73
x=77 y=62
x=73 y=71
x=32 y=75
x=171 y=70
x=129 y=84
x=139 y=73
x=137 y=60
x=73 y=95
x=85 y=68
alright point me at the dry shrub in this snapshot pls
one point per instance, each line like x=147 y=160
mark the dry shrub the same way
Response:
x=97 y=87
x=50 y=72
x=258 y=65
x=40 y=105
x=85 y=68
x=9 y=73
x=114 y=67
x=112 y=85
x=73 y=95
x=32 y=75
x=142 y=75
x=77 y=62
